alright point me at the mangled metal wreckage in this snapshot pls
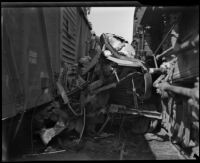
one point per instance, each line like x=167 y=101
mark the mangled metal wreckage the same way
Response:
x=150 y=89
x=96 y=90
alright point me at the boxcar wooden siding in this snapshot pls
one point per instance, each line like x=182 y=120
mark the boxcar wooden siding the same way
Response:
x=61 y=35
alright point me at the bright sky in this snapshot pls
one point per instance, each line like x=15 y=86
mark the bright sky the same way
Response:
x=116 y=20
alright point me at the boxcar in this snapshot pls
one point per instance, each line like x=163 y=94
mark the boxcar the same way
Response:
x=35 y=43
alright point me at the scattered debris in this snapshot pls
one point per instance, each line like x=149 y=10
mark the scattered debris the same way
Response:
x=48 y=134
x=106 y=84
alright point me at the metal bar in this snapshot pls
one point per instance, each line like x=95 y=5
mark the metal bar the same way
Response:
x=161 y=77
x=96 y=84
x=72 y=4
x=104 y=124
x=109 y=86
x=187 y=45
x=155 y=61
x=165 y=52
x=164 y=39
x=124 y=110
x=128 y=76
x=83 y=86
x=115 y=73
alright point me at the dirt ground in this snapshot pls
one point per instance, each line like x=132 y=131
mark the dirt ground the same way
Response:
x=123 y=146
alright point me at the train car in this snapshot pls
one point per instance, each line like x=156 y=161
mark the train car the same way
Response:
x=36 y=43
x=167 y=38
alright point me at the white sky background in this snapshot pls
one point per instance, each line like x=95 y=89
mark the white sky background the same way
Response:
x=116 y=20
